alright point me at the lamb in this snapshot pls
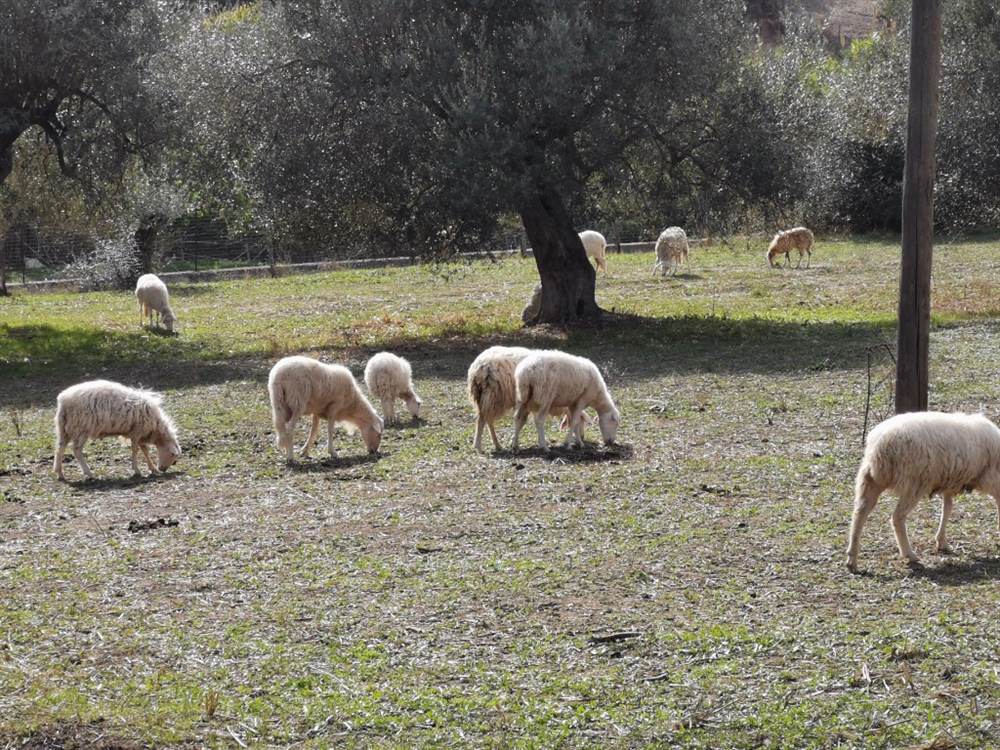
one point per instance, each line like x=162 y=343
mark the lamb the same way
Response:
x=389 y=377
x=799 y=238
x=920 y=454
x=671 y=250
x=102 y=408
x=596 y=247
x=547 y=381
x=152 y=296
x=302 y=385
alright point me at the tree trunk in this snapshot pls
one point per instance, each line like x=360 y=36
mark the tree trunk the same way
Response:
x=918 y=209
x=145 y=240
x=567 y=276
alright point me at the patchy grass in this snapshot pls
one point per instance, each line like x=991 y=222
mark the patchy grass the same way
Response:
x=684 y=589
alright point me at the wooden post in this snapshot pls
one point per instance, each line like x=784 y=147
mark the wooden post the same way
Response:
x=918 y=209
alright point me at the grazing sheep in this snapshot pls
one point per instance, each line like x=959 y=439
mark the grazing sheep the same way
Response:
x=492 y=390
x=302 y=385
x=152 y=295
x=101 y=408
x=596 y=247
x=534 y=306
x=549 y=381
x=671 y=250
x=389 y=377
x=800 y=239
x=920 y=454
x=491 y=387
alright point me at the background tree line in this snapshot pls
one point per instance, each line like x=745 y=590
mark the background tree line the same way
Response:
x=417 y=127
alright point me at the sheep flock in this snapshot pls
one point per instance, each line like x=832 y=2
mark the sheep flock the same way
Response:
x=913 y=455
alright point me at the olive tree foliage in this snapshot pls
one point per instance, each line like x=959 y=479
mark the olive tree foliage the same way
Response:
x=445 y=115
x=72 y=84
x=841 y=121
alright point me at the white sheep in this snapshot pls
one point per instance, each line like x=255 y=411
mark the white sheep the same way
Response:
x=799 y=238
x=548 y=381
x=493 y=392
x=534 y=306
x=152 y=295
x=920 y=454
x=389 y=377
x=596 y=247
x=491 y=387
x=101 y=408
x=671 y=250
x=301 y=385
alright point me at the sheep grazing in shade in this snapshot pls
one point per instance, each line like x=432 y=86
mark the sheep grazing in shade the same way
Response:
x=153 y=297
x=301 y=385
x=550 y=381
x=389 y=377
x=671 y=250
x=920 y=454
x=800 y=239
x=101 y=408
x=596 y=247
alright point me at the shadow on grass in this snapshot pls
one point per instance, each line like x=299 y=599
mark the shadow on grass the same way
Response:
x=590 y=453
x=69 y=735
x=310 y=465
x=123 y=483
x=973 y=570
x=158 y=331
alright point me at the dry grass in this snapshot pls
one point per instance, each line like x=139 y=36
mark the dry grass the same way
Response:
x=684 y=589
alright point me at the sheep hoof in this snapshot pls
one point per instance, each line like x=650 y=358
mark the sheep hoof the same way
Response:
x=914 y=563
x=943 y=549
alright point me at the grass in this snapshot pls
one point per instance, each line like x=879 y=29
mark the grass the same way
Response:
x=437 y=597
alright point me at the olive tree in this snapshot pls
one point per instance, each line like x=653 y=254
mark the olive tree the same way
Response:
x=459 y=111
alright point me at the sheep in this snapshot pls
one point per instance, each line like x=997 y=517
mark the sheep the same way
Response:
x=534 y=306
x=302 y=385
x=152 y=295
x=920 y=454
x=671 y=250
x=102 y=408
x=596 y=247
x=491 y=387
x=799 y=238
x=492 y=391
x=389 y=377
x=547 y=381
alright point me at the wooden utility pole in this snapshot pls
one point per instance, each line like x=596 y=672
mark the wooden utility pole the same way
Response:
x=918 y=208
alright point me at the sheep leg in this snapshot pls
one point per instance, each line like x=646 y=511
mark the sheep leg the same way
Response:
x=906 y=503
x=313 y=434
x=864 y=504
x=493 y=434
x=809 y=256
x=78 y=452
x=286 y=439
x=520 y=417
x=57 y=463
x=941 y=546
x=149 y=461
x=477 y=441
x=329 y=436
x=540 y=418
x=135 y=456
x=389 y=409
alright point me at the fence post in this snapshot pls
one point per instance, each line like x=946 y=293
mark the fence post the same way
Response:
x=521 y=243
x=618 y=237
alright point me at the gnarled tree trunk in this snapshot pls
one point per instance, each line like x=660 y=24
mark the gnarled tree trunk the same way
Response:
x=567 y=276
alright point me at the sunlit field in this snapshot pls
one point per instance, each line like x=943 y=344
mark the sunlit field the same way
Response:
x=686 y=587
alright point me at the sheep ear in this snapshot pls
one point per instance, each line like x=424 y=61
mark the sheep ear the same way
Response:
x=378 y=426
